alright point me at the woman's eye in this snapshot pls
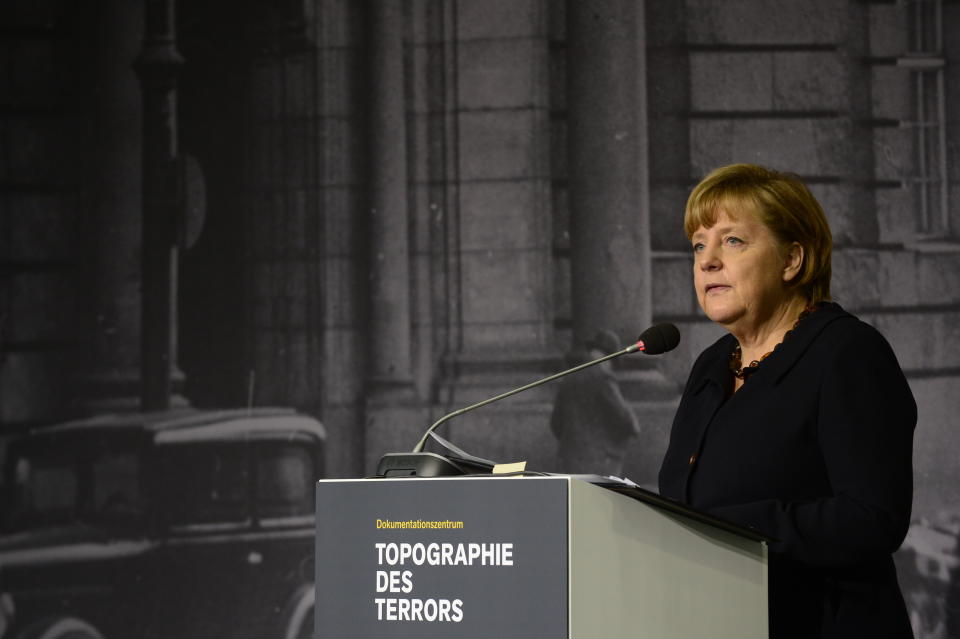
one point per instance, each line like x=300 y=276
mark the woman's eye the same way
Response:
x=733 y=241
x=697 y=247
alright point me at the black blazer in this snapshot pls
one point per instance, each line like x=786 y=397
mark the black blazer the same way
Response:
x=815 y=450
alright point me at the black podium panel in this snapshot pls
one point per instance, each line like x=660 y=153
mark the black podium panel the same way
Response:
x=440 y=558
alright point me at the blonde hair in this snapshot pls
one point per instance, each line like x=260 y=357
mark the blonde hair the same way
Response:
x=782 y=203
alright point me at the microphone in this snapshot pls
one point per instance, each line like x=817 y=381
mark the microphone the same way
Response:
x=657 y=339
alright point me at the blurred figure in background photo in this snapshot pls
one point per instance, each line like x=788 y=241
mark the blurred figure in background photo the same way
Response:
x=591 y=419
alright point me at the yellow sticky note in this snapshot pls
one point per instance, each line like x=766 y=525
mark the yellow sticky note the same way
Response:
x=515 y=467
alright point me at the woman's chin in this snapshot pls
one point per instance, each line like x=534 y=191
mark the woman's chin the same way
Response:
x=722 y=314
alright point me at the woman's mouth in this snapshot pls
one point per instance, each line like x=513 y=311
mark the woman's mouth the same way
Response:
x=716 y=288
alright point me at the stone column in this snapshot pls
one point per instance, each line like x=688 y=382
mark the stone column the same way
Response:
x=609 y=225
x=394 y=421
x=111 y=380
x=609 y=205
x=158 y=65
x=390 y=372
x=498 y=213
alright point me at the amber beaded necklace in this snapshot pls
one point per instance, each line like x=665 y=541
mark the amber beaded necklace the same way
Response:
x=742 y=372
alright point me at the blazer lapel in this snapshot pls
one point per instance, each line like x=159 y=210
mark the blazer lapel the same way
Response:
x=706 y=398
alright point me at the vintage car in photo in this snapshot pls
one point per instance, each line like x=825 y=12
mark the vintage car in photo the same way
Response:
x=176 y=524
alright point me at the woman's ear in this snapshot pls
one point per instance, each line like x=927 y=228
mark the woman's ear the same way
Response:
x=793 y=262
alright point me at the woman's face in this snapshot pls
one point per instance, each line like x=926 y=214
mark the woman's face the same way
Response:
x=740 y=271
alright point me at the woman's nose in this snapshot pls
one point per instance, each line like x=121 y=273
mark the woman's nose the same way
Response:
x=708 y=260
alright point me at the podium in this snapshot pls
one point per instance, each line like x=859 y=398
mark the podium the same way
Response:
x=551 y=557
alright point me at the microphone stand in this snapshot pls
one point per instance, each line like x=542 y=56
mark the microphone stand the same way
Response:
x=421 y=464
